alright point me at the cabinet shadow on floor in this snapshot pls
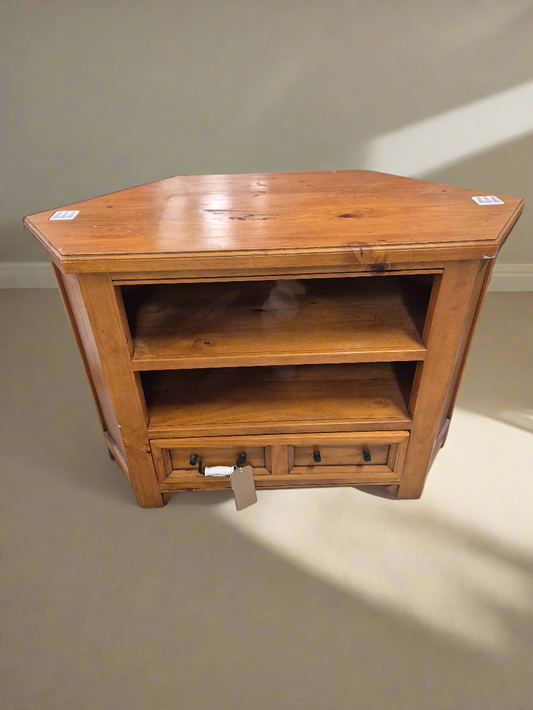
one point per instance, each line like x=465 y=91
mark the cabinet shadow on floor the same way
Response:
x=113 y=606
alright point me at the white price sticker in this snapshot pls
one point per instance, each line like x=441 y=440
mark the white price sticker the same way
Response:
x=488 y=200
x=218 y=470
x=65 y=214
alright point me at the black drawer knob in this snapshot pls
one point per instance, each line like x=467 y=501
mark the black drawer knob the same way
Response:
x=366 y=456
x=316 y=456
x=193 y=460
x=241 y=460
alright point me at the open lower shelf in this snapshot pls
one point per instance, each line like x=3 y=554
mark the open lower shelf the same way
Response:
x=269 y=399
x=329 y=320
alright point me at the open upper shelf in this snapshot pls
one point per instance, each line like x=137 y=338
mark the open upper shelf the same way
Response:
x=331 y=320
x=239 y=400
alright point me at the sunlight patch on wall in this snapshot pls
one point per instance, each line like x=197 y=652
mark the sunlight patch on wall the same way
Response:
x=450 y=137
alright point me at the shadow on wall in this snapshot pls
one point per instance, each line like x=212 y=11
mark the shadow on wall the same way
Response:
x=267 y=87
x=498 y=380
x=505 y=169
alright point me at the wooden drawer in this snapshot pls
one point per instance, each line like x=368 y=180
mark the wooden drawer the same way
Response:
x=174 y=471
x=348 y=458
x=172 y=457
x=284 y=461
x=345 y=458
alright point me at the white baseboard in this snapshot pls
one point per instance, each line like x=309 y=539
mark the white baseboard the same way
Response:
x=512 y=277
x=38 y=274
x=26 y=274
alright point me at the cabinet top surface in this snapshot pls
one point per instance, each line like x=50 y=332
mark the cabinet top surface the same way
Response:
x=352 y=210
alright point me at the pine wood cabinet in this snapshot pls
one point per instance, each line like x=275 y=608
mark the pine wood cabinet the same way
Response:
x=315 y=323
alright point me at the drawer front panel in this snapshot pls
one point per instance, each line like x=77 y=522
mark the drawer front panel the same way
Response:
x=175 y=472
x=256 y=456
x=349 y=455
x=284 y=461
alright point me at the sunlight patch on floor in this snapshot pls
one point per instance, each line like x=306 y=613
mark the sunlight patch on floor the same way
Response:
x=460 y=560
x=519 y=416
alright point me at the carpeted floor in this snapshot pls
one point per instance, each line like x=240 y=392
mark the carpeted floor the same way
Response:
x=310 y=600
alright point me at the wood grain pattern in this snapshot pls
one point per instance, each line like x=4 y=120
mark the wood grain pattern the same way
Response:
x=292 y=272
x=366 y=216
x=278 y=259
x=440 y=440
x=373 y=438
x=92 y=358
x=278 y=454
x=288 y=427
x=171 y=459
x=106 y=321
x=117 y=455
x=256 y=456
x=346 y=455
x=213 y=400
x=283 y=260
x=450 y=314
x=397 y=465
x=469 y=326
x=317 y=480
x=277 y=323
x=69 y=308
x=478 y=298
x=428 y=325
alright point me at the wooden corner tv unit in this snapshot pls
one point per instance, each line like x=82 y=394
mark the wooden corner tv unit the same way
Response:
x=313 y=324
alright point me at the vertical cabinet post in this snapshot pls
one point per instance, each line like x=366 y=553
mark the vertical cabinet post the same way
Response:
x=449 y=312
x=106 y=319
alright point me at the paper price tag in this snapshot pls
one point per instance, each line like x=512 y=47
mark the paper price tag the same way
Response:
x=242 y=483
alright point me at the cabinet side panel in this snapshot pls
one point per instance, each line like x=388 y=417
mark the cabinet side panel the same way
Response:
x=452 y=318
x=60 y=279
x=476 y=304
x=474 y=309
x=104 y=316
x=91 y=358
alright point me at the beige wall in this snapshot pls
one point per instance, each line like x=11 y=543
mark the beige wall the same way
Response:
x=101 y=95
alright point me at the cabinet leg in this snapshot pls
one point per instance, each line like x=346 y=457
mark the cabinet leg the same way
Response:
x=102 y=310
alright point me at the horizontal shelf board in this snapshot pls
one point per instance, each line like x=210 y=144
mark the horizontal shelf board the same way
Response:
x=277 y=397
x=180 y=429
x=181 y=326
x=295 y=272
x=288 y=359
x=334 y=439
